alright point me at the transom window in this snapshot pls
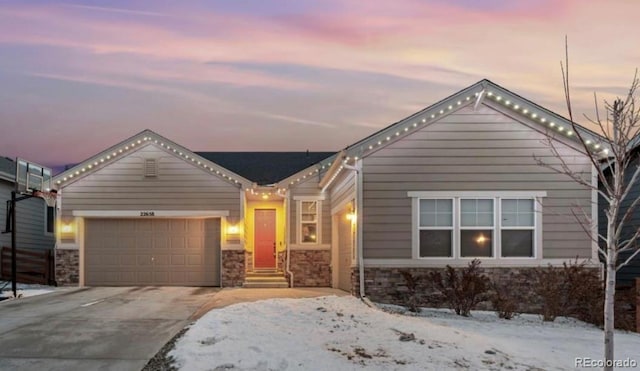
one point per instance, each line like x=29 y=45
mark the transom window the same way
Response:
x=475 y=227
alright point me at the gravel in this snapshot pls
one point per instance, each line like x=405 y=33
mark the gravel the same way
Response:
x=161 y=361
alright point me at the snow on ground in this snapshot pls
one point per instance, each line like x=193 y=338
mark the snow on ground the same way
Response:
x=24 y=290
x=342 y=333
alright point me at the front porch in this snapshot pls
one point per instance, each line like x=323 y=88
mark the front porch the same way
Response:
x=264 y=232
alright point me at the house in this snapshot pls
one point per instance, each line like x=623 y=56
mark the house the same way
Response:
x=35 y=221
x=626 y=275
x=456 y=181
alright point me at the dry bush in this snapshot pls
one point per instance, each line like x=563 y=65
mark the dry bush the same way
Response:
x=410 y=297
x=462 y=289
x=503 y=299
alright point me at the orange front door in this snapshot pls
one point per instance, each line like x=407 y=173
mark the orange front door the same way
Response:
x=265 y=238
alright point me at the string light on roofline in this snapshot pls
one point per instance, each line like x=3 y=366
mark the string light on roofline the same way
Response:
x=128 y=147
x=540 y=116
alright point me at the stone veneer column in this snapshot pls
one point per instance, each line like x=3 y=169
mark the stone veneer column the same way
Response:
x=311 y=268
x=67 y=266
x=233 y=268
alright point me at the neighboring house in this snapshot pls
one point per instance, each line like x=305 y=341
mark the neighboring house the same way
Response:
x=453 y=182
x=626 y=275
x=35 y=221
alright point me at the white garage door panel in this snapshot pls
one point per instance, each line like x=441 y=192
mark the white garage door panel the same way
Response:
x=179 y=252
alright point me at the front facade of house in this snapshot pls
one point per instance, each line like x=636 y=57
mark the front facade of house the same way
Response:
x=457 y=181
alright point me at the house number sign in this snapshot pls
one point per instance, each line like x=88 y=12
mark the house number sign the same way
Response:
x=147 y=213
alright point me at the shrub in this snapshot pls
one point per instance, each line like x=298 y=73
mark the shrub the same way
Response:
x=550 y=286
x=503 y=299
x=409 y=298
x=461 y=289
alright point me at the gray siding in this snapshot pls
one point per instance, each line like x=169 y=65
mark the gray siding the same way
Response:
x=310 y=188
x=31 y=219
x=470 y=151
x=343 y=188
x=178 y=186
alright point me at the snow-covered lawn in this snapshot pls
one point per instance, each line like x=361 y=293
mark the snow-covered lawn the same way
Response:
x=342 y=333
x=24 y=290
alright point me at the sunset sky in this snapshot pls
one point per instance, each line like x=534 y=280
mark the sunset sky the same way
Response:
x=239 y=75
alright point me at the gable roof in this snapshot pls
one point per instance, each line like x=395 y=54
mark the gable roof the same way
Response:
x=472 y=95
x=146 y=137
x=266 y=168
x=483 y=89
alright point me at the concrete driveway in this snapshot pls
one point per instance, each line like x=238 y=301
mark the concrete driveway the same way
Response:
x=106 y=328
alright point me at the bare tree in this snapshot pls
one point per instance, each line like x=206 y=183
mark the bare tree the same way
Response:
x=618 y=170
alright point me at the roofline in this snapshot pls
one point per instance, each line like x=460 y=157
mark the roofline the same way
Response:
x=490 y=90
x=302 y=175
x=145 y=137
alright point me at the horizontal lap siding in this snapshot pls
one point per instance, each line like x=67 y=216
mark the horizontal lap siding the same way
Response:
x=343 y=188
x=310 y=187
x=482 y=150
x=30 y=228
x=178 y=186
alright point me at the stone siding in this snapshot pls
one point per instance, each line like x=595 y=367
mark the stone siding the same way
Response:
x=67 y=267
x=248 y=259
x=233 y=268
x=311 y=268
x=282 y=261
x=387 y=285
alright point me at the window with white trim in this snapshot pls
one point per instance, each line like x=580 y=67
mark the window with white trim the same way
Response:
x=476 y=228
x=517 y=227
x=483 y=226
x=309 y=216
x=436 y=228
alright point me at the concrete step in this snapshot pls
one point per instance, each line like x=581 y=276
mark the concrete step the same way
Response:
x=265 y=285
x=265 y=278
x=264 y=274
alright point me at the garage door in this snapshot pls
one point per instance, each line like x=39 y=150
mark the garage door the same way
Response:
x=345 y=245
x=174 y=252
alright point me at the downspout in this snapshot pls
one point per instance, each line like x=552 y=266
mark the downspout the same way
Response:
x=359 y=209
x=288 y=238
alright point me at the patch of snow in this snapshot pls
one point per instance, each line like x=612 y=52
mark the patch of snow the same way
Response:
x=342 y=333
x=24 y=290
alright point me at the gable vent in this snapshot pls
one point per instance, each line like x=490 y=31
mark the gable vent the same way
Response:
x=150 y=167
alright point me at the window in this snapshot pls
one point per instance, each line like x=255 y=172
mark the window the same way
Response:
x=476 y=228
x=309 y=221
x=477 y=224
x=436 y=228
x=50 y=219
x=517 y=227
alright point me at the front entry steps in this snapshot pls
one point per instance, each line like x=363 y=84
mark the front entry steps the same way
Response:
x=265 y=278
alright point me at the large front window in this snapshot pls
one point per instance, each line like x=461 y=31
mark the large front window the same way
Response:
x=475 y=227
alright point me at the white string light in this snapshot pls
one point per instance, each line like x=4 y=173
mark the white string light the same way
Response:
x=132 y=146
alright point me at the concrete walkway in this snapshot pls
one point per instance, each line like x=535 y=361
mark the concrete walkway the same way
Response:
x=230 y=296
x=106 y=328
